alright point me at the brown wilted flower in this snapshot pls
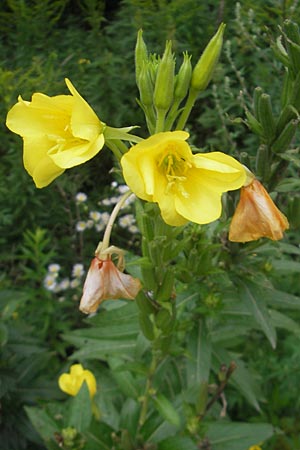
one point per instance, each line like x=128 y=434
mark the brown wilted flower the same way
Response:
x=256 y=216
x=105 y=281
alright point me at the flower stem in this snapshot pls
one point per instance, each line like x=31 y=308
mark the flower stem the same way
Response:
x=187 y=109
x=147 y=393
x=160 y=120
x=111 y=221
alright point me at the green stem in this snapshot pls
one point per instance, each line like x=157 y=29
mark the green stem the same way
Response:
x=187 y=109
x=147 y=393
x=160 y=120
x=114 y=148
x=172 y=115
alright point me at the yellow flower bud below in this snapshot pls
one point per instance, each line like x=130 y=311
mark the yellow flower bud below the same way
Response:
x=70 y=383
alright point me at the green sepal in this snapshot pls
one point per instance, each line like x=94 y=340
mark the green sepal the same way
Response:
x=121 y=134
x=183 y=78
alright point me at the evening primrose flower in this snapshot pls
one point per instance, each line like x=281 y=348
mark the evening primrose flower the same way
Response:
x=186 y=186
x=256 y=216
x=59 y=132
x=255 y=447
x=105 y=281
x=70 y=383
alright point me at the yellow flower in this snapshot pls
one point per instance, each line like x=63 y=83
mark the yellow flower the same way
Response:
x=72 y=382
x=105 y=281
x=255 y=447
x=58 y=132
x=186 y=186
x=256 y=216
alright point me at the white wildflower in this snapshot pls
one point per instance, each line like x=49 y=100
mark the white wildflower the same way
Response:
x=81 y=226
x=78 y=270
x=50 y=283
x=81 y=197
x=95 y=216
x=54 y=268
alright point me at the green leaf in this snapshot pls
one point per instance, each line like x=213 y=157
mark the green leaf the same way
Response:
x=285 y=266
x=237 y=436
x=256 y=305
x=282 y=321
x=44 y=424
x=277 y=298
x=166 y=409
x=199 y=355
x=80 y=414
x=177 y=443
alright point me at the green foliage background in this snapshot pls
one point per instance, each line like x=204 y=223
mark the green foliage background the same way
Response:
x=92 y=43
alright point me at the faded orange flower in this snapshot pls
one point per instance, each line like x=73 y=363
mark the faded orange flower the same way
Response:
x=256 y=216
x=105 y=281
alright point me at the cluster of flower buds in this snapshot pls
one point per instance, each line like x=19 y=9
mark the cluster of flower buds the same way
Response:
x=162 y=91
x=277 y=132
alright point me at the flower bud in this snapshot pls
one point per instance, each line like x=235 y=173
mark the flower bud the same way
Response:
x=146 y=86
x=141 y=55
x=205 y=67
x=183 y=78
x=164 y=83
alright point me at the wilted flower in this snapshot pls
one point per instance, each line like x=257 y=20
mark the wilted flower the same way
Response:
x=186 y=186
x=70 y=383
x=58 y=132
x=105 y=281
x=256 y=216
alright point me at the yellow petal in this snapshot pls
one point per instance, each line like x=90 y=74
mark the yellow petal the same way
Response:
x=198 y=202
x=43 y=116
x=37 y=163
x=84 y=122
x=78 y=152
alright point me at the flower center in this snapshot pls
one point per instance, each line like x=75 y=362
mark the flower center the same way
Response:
x=175 y=167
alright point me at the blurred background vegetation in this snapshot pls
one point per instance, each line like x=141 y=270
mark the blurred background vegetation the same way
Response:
x=92 y=43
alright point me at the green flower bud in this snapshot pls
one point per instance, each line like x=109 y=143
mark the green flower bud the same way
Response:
x=145 y=86
x=141 y=55
x=164 y=83
x=183 y=78
x=205 y=67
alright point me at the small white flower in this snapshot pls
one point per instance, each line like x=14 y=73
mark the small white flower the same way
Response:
x=53 y=268
x=123 y=188
x=106 y=202
x=114 y=200
x=90 y=223
x=126 y=221
x=81 y=197
x=78 y=270
x=133 y=229
x=50 y=283
x=80 y=226
x=114 y=184
x=75 y=283
x=63 y=285
x=105 y=218
x=95 y=216
x=99 y=226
